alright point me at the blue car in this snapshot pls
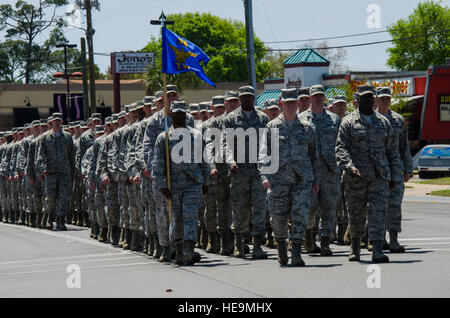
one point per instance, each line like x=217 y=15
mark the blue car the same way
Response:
x=434 y=161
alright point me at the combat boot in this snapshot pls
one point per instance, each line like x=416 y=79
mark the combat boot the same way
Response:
x=69 y=217
x=347 y=239
x=91 y=234
x=258 y=253
x=145 y=249
x=247 y=238
x=270 y=242
x=135 y=246
x=75 y=218
x=340 y=234
x=239 y=245
x=103 y=236
x=151 y=245
x=165 y=255
x=226 y=243
x=33 y=220
x=127 y=241
x=80 y=220
x=296 y=254
x=385 y=243
x=377 y=253
x=179 y=253
x=27 y=219
x=370 y=246
x=394 y=245
x=364 y=239
x=190 y=256
x=355 y=250
x=282 y=251
x=96 y=231
x=60 y=223
x=213 y=243
x=49 y=222
x=115 y=234
x=158 y=248
x=310 y=242
x=325 y=246
x=86 y=222
x=316 y=249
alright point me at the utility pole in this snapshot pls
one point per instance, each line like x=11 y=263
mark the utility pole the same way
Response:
x=85 y=82
x=89 y=34
x=250 y=44
x=66 y=75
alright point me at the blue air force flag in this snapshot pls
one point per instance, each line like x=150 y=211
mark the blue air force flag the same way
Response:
x=179 y=56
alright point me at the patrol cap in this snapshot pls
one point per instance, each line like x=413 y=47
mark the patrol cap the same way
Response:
x=330 y=101
x=172 y=88
x=88 y=119
x=178 y=106
x=355 y=95
x=84 y=125
x=271 y=104
x=122 y=114
x=203 y=106
x=65 y=127
x=158 y=95
x=127 y=109
x=365 y=89
x=99 y=129
x=230 y=95
x=108 y=120
x=96 y=116
x=20 y=130
x=383 y=91
x=246 y=90
x=148 y=100
x=316 y=89
x=35 y=123
x=43 y=121
x=57 y=116
x=339 y=99
x=2 y=134
x=194 y=108
x=78 y=123
x=289 y=94
x=49 y=119
x=114 y=118
x=303 y=92
x=27 y=125
x=139 y=105
x=217 y=101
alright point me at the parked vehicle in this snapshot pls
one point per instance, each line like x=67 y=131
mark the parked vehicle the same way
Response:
x=434 y=161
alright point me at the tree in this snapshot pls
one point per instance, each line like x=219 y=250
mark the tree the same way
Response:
x=25 y=22
x=275 y=61
x=335 y=56
x=420 y=52
x=221 y=39
x=11 y=60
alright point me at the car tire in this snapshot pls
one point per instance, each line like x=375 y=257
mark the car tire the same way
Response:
x=423 y=175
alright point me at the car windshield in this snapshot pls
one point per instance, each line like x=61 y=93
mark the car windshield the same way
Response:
x=436 y=152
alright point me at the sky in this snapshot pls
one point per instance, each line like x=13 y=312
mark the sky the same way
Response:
x=124 y=25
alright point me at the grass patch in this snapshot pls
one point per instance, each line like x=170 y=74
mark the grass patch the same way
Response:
x=442 y=193
x=441 y=181
x=409 y=187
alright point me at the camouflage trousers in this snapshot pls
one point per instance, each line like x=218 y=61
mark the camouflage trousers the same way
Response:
x=29 y=196
x=162 y=216
x=123 y=201
x=112 y=207
x=14 y=194
x=323 y=203
x=57 y=189
x=290 y=201
x=99 y=198
x=185 y=204
x=248 y=199
x=8 y=206
x=222 y=195
x=148 y=202
x=4 y=197
x=90 y=203
x=394 y=208
x=37 y=197
x=210 y=209
x=23 y=197
x=135 y=206
x=366 y=197
x=77 y=195
x=341 y=208
x=201 y=213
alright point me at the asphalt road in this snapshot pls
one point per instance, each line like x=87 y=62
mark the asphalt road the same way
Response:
x=39 y=263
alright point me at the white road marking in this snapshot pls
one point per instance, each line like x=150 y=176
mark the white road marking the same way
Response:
x=53 y=258
x=425 y=239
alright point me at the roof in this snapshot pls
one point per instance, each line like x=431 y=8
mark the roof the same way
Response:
x=330 y=91
x=305 y=56
x=268 y=94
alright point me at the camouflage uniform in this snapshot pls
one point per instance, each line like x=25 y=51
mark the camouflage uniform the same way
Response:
x=155 y=126
x=186 y=180
x=34 y=173
x=3 y=194
x=248 y=197
x=324 y=202
x=90 y=194
x=99 y=195
x=370 y=147
x=77 y=190
x=394 y=209
x=57 y=157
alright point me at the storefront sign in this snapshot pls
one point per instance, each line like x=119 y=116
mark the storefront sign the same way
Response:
x=132 y=63
x=444 y=107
